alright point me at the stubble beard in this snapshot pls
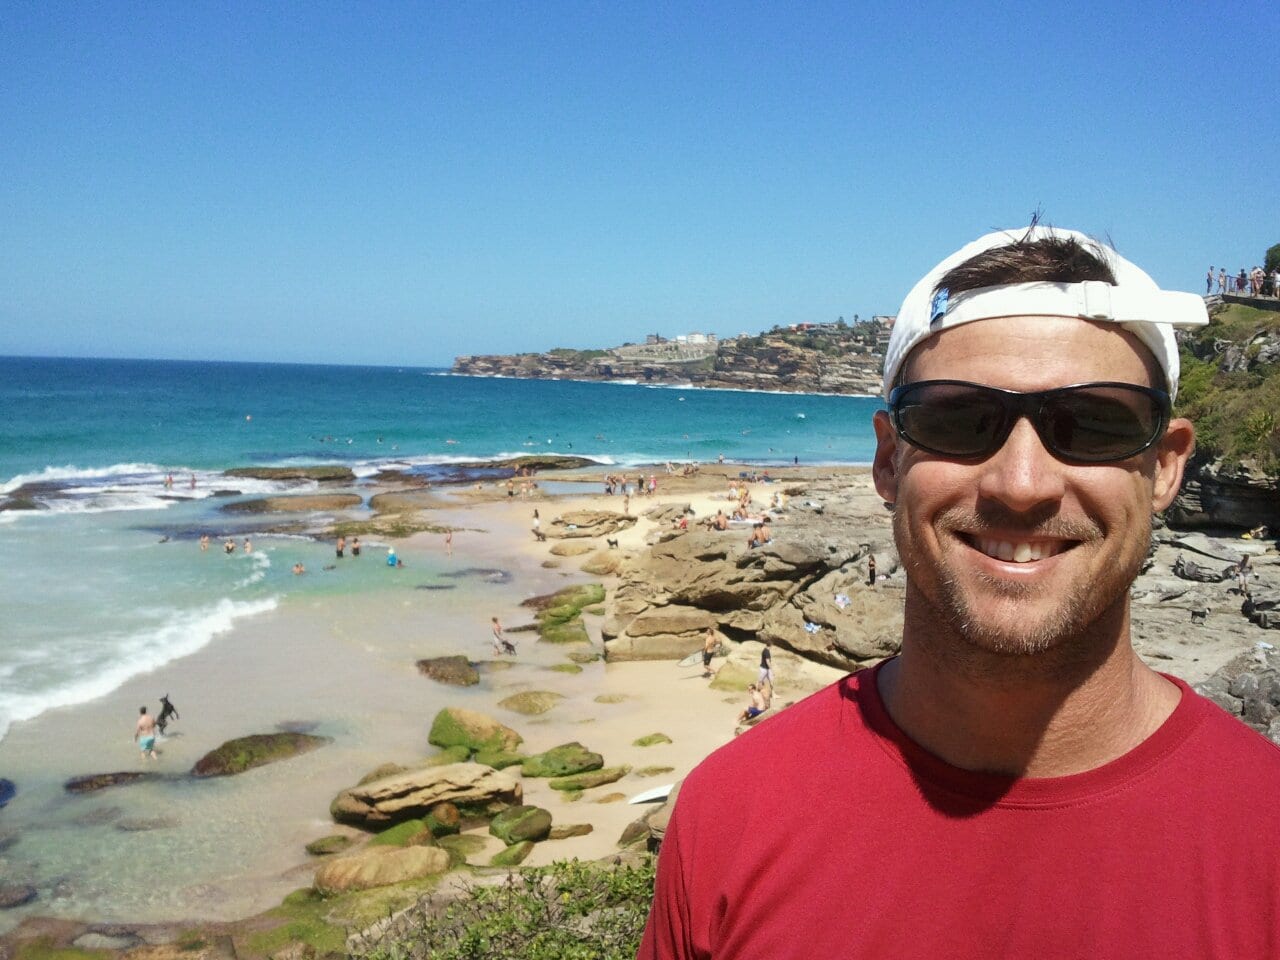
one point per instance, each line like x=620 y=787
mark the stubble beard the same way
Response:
x=1068 y=634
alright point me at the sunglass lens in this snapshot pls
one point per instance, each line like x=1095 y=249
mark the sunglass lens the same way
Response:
x=956 y=420
x=1100 y=423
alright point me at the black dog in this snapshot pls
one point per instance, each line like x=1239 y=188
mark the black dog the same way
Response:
x=167 y=712
x=611 y=543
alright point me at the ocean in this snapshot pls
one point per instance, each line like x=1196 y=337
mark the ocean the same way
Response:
x=98 y=585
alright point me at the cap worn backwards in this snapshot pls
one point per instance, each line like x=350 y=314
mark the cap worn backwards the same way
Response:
x=1134 y=301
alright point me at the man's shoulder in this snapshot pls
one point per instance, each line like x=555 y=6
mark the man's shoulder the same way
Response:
x=1229 y=741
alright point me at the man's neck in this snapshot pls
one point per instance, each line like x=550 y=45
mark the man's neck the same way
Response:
x=997 y=714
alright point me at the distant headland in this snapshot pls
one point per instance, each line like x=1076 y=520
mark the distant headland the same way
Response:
x=840 y=357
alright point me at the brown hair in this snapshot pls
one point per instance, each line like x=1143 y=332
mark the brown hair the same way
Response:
x=1050 y=259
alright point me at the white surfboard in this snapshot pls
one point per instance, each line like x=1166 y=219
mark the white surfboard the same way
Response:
x=657 y=793
x=691 y=659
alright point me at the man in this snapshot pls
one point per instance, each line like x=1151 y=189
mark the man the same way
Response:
x=757 y=705
x=710 y=643
x=144 y=734
x=1016 y=782
x=766 y=663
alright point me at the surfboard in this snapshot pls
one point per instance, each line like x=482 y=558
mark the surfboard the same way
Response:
x=649 y=796
x=691 y=659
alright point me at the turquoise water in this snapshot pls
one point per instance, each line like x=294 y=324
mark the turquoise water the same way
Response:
x=104 y=580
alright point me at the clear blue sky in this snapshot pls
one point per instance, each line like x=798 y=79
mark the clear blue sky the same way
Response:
x=401 y=183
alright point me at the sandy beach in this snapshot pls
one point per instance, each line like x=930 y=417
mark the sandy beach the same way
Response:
x=177 y=850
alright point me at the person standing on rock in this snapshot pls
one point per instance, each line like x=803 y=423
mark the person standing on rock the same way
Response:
x=871 y=571
x=1243 y=569
x=1016 y=782
x=144 y=734
x=766 y=664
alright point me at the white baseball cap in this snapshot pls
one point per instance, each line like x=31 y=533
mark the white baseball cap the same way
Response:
x=1134 y=301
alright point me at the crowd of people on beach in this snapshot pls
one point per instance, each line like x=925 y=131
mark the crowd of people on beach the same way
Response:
x=1255 y=283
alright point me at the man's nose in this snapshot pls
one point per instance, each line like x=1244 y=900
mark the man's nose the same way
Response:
x=1022 y=474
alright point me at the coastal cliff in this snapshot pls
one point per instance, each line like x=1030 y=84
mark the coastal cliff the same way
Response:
x=828 y=358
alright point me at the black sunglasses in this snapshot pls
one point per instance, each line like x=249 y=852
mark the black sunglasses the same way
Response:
x=1085 y=423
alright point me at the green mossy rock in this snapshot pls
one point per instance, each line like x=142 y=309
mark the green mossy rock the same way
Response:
x=651 y=740
x=585 y=781
x=500 y=759
x=565 y=668
x=568 y=758
x=653 y=771
x=245 y=753
x=512 y=855
x=595 y=611
x=531 y=703
x=611 y=698
x=571 y=632
x=335 y=843
x=443 y=820
x=456 y=670
x=478 y=732
x=324 y=474
x=517 y=824
x=448 y=755
x=584 y=656
x=733 y=677
x=462 y=846
x=408 y=833
x=558 y=614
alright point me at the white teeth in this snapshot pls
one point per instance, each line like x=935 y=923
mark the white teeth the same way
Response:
x=1022 y=552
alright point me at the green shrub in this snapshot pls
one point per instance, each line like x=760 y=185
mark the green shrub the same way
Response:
x=567 y=911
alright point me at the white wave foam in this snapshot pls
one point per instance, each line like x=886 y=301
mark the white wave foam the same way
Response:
x=261 y=563
x=70 y=472
x=182 y=634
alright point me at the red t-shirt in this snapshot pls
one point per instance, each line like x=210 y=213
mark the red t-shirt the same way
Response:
x=826 y=833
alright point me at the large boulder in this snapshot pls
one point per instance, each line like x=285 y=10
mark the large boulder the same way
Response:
x=585 y=781
x=517 y=824
x=15 y=895
x=578 y=524
x=460 y=727
x=561 y=761
x=379 y=867
x=456 y=671
x=245 y=753
x=472 y=787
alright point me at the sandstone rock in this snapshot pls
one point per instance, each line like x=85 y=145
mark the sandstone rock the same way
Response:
x=602 y=563
x=324 y=474
x=567 y=830
x=585 y=781
x=571 y=549
x=512 y=855
x=560 y=761
x=517 y=824
x=458 y=726
x=456 y=670
x=471 y=787
x=664 y=513
x=580 y=524
x=15 y=895
x=245 y=753
x=334 y=843
x=302 y=503
x=380 y=867
x=531 y=703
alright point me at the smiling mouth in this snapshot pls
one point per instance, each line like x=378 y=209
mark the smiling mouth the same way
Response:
x=1017 y=551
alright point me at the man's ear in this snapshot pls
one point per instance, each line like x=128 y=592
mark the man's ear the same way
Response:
x=884 y=468
x=1172 y=453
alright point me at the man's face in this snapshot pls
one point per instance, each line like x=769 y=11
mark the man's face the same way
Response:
x=1022 y=552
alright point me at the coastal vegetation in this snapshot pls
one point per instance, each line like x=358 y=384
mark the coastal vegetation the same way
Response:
x=1230 y=386
x=567 y=911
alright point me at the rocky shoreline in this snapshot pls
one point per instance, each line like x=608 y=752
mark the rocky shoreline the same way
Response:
x=480 y=804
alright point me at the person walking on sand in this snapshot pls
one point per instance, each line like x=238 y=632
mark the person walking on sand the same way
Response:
x=144 y=734
x=537 y=524
x=709 y=644
x=871 y=571
x=1243 y=569
x=501 y=644
x=766 y=664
